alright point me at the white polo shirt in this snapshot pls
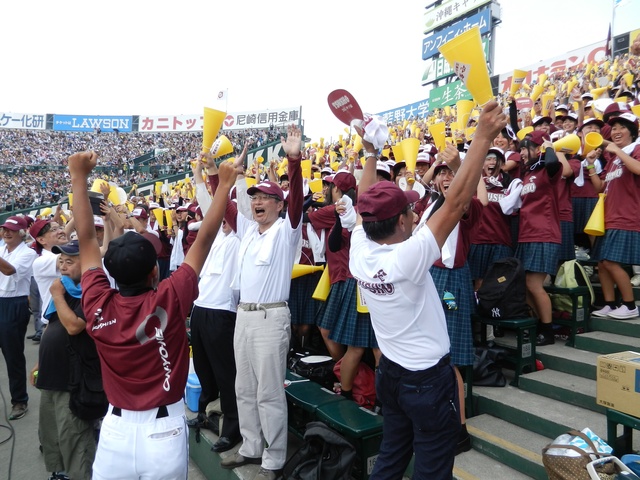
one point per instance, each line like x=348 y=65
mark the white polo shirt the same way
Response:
x=406 y=311
x=18 y=284
x=217 y=274
x=265 y=260
x=45 y=271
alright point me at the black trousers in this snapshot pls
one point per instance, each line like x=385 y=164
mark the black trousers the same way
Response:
x=214 y=361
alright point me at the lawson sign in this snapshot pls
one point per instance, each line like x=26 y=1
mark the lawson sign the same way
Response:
x=87 y=123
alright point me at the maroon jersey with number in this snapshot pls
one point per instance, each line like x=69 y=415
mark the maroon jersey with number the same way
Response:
x=338 y=262
x=467 y=223
x=622 y=203
x=539 y=214
x=141 y=339
x=494 y=227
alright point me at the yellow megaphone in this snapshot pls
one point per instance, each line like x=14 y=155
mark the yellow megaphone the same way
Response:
x=517 y=80
x=596 y=92
x=464 y=107
x=398 y=153
x=305 y=166
x=222 y=146
x=159 y=214
x=628 y=79
x=523 y=132
x=315 y=185
x=547 y=103
x=636 y=110
x=410 y=148
x=437 y=132
x=469 y=132
x=211 y=124
x=568 y=144
x=592 y=140
x=595 y=226
x=324 y=286
x=465 y=55
x=357 y=143
x=251 y=181
x=300 y=270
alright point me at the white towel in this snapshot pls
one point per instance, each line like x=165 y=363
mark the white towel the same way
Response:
x=511 y=200
x=349 y=217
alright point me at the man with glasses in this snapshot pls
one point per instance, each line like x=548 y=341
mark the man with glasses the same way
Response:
x=46 y=234
x=266 y=256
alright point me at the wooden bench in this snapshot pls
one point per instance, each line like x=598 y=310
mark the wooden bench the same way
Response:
x=523 y=356
x=580 y=313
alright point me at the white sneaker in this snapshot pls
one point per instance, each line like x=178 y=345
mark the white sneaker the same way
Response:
x=635 y=280
x=623 y=313
x=603 y=312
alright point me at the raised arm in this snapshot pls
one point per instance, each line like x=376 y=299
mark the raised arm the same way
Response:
x=464 y=185
x=80 y=166
x=291 y=147
x=211 y=224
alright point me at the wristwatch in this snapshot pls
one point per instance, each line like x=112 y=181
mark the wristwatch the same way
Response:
x=370 y=154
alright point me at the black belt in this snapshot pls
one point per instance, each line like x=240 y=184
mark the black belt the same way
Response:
x=162 y=412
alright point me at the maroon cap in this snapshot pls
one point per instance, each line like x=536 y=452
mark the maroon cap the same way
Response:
x=538 y=137
x=615 y=107
x=267 y=187
x=37 y=227
x=384 y=200
x=155 y=241
x=441 y=164
x=140 y=213
x=29 y=220
x=182 y=208
x=591 y=120
x=424 y=157
x=15 y=223
x=344 y=180
x=626 y=118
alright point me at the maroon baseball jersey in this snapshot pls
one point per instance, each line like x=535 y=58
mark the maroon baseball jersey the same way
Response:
x=494 y=227
x=622 y=203
x=539 y=214
x=141 y=339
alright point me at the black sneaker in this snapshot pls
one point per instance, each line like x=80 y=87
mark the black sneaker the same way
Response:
x=545 y=339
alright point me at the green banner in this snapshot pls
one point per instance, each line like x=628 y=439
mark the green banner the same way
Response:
x=448 y=95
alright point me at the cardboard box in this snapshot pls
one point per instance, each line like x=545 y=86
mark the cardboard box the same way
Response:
x=618 y=382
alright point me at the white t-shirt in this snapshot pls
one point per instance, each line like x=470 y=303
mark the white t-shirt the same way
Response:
x=406 y=311
x=45 y=271
x=217 y=274
x=18 y=284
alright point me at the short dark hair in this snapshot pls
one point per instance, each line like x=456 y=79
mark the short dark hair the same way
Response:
x=382 y=229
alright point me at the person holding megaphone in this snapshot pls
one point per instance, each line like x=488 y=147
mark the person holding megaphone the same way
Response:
x=620 y=181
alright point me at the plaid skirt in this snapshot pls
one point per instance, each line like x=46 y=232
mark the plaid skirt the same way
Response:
x=340 y=316
x=458 y=282
x=304 y=308
x=539 y=256
x=582 y=210
x=621 y=246
x=482 y=256
x=567 y=248
x=515 y=228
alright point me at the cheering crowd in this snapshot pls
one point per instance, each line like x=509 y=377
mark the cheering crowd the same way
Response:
x=411 y=238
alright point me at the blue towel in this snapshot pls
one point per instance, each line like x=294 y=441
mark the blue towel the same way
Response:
x=72 y=289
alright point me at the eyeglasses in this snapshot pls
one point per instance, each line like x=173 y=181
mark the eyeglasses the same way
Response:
x=262 y=198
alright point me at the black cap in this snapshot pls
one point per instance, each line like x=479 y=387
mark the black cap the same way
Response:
x=72 y=248
x=130 y=258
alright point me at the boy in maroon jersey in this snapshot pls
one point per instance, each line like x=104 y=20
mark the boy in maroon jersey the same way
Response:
x=140 y=336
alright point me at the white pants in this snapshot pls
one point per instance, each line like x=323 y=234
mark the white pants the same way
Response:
x=136 y=445
x=261 y=342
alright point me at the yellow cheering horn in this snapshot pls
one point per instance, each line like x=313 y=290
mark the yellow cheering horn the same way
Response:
x=222 y=146
x=324 y=285
x=592 y=140
x=410 y=148
x=523 y=132
x=595 y=226
x=299 y=270
x=463 y=108
x=211 y=124
x=568 y=144
x=437 y=132
x=517 y=80
x=465 y=55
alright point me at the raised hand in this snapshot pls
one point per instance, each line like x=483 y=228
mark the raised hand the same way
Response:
x=82 y=163
x=291 y=145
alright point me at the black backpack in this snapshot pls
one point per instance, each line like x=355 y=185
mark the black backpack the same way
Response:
x=503 y=293
x=324 y=455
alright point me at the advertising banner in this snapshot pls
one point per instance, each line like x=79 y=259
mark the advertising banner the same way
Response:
x=416 y=110
x=27 y=121
x=448 y=11
x=448 y=94
x=431 y=43
x=90 y=123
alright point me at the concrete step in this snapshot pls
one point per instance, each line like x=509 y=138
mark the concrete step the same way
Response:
x=605 y=342
x=545 y=416
x=564 y=387
x=568 y=360
x=513 y=446
x=473 y=465
x=629 y=328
